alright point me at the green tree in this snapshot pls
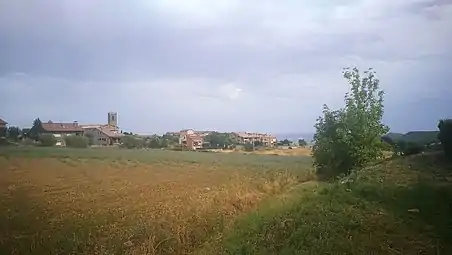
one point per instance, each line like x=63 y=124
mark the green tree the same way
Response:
x=219 y=140
x=445 y=136
x=36 y=129
x=131 y=142
x=349 y=138
x=285 y=142
x=302 y=143
x=47 y=140
x=13 y=133
x=154 y=142
x=171 y=139
x=75 y=141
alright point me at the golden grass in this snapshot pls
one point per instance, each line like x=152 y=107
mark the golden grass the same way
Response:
x=285 y=152
x=94 y=206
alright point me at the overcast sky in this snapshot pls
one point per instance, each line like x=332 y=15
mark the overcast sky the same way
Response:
x=232 y=65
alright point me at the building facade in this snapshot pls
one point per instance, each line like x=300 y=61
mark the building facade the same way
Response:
x=103 y=135
x=190 y=139
x=246 y=138
x=61 y=130
x=112 y=119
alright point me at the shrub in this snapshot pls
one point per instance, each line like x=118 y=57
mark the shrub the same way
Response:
x=445 y=136
x=47 y=140
x=349 y=138
x=248 y=147
x=75 y=141
x=131 y=142
x=411 y=148
x=28 y=142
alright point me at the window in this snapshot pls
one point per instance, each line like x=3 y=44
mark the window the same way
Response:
x=113 y=117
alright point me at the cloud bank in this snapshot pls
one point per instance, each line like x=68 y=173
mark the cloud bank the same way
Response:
x=226 y=65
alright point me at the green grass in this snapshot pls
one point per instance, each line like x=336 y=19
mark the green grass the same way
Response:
x=159 y=156
x=400 y=207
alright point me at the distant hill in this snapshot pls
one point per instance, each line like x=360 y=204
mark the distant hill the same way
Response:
x=394 y=136
x=421 y=137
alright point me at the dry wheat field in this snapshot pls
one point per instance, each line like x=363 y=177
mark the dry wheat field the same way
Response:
x=113 y=201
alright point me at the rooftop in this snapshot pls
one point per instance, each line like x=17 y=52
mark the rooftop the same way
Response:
x=61 y=127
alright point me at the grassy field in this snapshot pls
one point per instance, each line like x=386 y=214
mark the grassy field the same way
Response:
x=402 y=206
x=112 y=201
x=102 y=201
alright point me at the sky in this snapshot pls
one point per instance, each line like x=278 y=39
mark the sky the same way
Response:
x=226 y=65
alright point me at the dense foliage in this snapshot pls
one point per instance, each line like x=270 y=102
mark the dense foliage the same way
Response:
x=219 y=140
x=350 y=137
x=445 y=136
x=302 y=142
x=47 y=140
x=13 y=133
x=36 y=129
x=75 y=141
x=131 y=142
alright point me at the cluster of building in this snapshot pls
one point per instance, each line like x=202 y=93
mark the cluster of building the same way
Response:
x=100 y=134
x=193 y=140
x=110 y=134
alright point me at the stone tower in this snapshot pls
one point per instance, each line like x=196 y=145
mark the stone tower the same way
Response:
x=113 y=119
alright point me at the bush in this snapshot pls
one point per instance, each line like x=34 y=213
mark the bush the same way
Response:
x=248 y=147
x=131 y=142
x=47 y=140
x=28 y=142
x=410 y=148
x=445 y=136
x=75 y=141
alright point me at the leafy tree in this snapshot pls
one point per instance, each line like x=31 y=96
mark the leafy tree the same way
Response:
x=47 y=140
x=13 y=133
x=154 y=142
x=445 y=136
x=284 y=142
x=219 y=140
x=164 y=142
x=131 y=142
x=36 y=129
x=349 y=138
x=302 y=143
x=170 y=139
x=75 y=141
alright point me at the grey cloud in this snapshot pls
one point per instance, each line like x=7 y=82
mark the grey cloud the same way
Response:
x=149 y=61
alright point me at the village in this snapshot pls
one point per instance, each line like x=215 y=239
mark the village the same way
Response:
x=109 y=134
